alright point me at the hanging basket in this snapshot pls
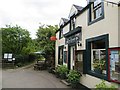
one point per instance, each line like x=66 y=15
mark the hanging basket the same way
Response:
x=53 y=38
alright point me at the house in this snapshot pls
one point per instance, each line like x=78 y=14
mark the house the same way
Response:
x=88 y=41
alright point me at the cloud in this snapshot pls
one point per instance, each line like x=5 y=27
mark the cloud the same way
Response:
x=29 y=13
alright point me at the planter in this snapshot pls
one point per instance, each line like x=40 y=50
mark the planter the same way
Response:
x=74 y=84
x=63 y=76
x=57 y=75
x=49 y=70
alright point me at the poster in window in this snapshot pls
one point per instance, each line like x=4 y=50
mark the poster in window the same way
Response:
x=115 y=65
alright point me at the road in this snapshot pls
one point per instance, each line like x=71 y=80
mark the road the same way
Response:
x=29 y=78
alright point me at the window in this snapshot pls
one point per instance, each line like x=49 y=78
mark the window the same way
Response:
x=61 y=34
x=60 y=55
x=98 y=57
x=96 y=11
x=114 y=64
x=65 y=56
x=73 y=23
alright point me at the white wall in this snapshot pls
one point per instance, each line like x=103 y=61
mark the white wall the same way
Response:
x=119 y=26
x=66 y=29
x=109 y=25
x=60 y=42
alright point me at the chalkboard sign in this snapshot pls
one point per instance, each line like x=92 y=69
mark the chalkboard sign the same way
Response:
x=65 y=56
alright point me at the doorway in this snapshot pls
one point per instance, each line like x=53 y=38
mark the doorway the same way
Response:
x=72 y=57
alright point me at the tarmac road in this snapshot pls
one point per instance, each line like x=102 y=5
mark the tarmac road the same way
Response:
x=29 y=78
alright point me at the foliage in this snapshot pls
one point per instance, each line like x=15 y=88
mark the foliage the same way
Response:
x=103 y=86
x=99 y=65
x=43 y=38
x=62 y=70
x=74 y=76
x=24 y=59
x=14 y=39
x=17 y=41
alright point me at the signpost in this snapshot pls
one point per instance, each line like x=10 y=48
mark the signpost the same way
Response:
x=8 y=58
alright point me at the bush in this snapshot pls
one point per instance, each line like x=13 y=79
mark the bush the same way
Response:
x=62 y=70
x=21 y=60
x=19 y=64
x=73 y=78
x=103 y=86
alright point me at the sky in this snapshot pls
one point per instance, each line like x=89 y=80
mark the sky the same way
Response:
x=30 y=13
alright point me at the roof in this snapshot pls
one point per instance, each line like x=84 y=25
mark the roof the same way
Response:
x=65 y=20
x=119 y=3
x=80 y=12
x=79 y=8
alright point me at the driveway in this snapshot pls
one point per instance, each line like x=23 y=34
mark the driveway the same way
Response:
x=29 y=78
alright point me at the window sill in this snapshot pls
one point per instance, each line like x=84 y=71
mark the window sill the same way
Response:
x=98 y=75
x=96 y=20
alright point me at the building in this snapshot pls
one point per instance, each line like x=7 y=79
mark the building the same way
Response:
x=88 y=41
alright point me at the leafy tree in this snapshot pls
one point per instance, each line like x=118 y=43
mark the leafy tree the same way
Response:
x=14 y=39
x=43 y=38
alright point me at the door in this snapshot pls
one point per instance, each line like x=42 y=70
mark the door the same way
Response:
x=72 y=57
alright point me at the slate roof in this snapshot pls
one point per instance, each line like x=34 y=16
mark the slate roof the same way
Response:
x=79 y=8
x=119 y=3
x=65 y=20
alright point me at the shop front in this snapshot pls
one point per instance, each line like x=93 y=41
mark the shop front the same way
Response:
x=71 y=40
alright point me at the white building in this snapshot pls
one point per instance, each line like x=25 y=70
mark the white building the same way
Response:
x=90 y=39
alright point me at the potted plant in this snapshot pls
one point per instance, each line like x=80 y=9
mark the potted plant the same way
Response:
x=99 y=66
x=57 y=71
x=63 y=71
x=73 y=78
x=103 y=86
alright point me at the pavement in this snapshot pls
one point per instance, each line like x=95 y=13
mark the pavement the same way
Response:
x=27 y=77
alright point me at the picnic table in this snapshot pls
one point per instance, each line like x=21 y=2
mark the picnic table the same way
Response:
x=40 y=65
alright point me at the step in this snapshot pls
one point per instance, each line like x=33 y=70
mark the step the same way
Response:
x=65 y=82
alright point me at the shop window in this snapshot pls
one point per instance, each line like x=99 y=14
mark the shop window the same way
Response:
x=98 y=57
x=60 y=55
x=114 y=64
x=96 y=11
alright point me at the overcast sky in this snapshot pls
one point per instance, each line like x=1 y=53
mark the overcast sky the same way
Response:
x=29 y=13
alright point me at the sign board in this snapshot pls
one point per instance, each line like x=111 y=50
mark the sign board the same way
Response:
x=13 y=59
x=9 y=59
x=5 y=56
x=73 y=39
x=10 y=55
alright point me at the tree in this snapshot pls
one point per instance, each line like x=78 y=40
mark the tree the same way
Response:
x=14 y=39
x=43 y=38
